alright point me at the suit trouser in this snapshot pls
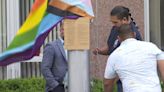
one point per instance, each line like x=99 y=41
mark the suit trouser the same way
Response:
x=59 y=88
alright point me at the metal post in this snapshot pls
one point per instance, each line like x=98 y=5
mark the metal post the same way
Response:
x=78 y=71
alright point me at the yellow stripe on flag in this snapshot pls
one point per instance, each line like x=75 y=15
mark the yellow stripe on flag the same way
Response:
x=33 y=19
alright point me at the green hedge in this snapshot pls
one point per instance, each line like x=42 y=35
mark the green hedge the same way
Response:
x=22 y=85
x=97 y=86
x=38 y=85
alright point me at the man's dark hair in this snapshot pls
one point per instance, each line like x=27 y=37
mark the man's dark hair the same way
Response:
x=121 y=12
x=124 y=30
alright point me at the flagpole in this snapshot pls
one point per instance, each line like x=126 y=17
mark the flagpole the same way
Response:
x=77 y=42
x=78 y=71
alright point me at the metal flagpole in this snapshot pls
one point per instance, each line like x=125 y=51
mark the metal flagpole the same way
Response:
x=78 y=71
x=77 y=43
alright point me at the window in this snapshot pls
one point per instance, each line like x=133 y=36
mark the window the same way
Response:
x=157 y=22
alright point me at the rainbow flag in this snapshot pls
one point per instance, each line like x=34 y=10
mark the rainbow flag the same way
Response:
x=44 y=16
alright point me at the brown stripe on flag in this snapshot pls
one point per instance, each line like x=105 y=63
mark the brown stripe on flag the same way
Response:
x=66 y=7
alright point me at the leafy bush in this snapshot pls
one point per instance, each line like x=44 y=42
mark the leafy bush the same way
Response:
x=38 y=85
x=97 y=86
x=22 y=85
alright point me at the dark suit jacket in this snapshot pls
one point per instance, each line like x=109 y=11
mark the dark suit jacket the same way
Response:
x=54 y=64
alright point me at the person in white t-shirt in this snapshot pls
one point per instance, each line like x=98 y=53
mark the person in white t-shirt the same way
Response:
x=135 y=63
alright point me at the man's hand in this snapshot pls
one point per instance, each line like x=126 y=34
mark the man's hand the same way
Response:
x=102 y=51
x=96 y=51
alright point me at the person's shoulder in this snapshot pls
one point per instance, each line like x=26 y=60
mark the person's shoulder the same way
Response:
x=53 y=42
x=117 y=52
x=147 y=44
x=114 y=28
x=133 y=24
x=114 y=56
x=152 y=45
x=134 y=27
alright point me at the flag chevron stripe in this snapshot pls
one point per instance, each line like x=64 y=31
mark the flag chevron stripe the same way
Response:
x=48 y=22
x=59 y=12
x=84 y=5
x=74 y=8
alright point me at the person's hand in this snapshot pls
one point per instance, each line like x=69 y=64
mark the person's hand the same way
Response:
x=96 y=51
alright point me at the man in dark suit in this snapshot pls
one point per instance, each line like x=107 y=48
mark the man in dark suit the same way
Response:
x=54 y=64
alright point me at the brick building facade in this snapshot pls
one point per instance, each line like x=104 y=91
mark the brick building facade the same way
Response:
x=101 y=25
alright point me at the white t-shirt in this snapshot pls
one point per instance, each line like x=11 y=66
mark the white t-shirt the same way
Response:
x=135 y=62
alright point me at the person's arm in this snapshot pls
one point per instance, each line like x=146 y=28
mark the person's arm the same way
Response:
x=161 y=68
x=110 y=73
x=160 y=59
x=108 y=48
x=108 y=85
x=102 y=51
x=160 y=64
x=46 y=65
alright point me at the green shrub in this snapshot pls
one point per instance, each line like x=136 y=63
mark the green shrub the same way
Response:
x=97 y=86
x=22 y=85
x=38 y=85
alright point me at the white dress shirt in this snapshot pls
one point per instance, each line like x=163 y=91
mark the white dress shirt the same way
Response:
x=135 y=62
x=66 y=52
